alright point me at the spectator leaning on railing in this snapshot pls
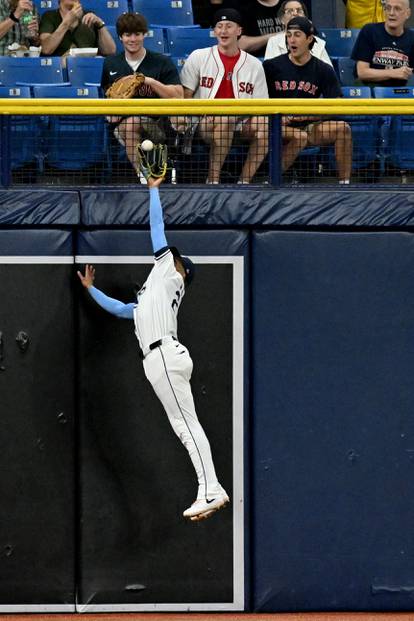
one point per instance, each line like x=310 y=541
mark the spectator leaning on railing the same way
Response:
x=384 y=53
x=298 y=74
x=277 y=43
x=73 y=26
x=225 y=72
x=161 y=81
x=12 y=28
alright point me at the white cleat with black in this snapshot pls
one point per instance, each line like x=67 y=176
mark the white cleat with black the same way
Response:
x=205 y=507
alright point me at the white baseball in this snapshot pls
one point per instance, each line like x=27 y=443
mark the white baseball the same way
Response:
x=147 y=145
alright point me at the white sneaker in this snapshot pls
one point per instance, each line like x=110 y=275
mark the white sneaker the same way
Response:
x=204 y=508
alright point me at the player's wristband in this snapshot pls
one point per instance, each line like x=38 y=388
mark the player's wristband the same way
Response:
x=14 y=18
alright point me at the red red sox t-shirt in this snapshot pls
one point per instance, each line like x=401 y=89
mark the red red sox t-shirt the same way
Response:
x=225 y=90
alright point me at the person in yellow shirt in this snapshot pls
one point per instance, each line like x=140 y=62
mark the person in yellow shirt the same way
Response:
x=361 y=12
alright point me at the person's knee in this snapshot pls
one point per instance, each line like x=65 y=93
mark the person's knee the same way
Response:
x=299 y=140
x=343 y=131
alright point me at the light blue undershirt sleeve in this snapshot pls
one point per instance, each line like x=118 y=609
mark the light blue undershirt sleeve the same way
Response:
x=115 y=307
x=156 y=221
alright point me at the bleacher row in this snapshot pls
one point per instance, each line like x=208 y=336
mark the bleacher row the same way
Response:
x=376 y=140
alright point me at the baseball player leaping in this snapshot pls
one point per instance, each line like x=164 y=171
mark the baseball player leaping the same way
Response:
x=167 y=363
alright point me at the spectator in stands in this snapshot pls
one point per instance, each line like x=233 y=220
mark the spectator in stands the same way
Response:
x=277 y=43
x=225 y=72
x=298 y=74
x=72 y=26
x=260 y=21
x=384 y=53
x=12 y=30
x=361 y=12
x=161 y=81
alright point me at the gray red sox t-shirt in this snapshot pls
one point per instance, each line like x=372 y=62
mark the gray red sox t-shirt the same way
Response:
x=381 y=50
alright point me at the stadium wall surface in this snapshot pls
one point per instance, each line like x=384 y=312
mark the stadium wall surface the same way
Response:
x=304 y=386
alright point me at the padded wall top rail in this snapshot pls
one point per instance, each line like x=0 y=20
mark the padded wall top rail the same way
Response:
x=222 y=206
x=44 y=207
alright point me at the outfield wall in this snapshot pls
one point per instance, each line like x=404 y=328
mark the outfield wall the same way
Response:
x=299 y=325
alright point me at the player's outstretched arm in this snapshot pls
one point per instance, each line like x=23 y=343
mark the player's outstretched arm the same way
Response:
x=115 y=307
x=156 y=218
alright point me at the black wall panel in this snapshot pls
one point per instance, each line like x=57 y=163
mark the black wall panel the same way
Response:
x=37 y=476
x=333 y=421
x=136 y=478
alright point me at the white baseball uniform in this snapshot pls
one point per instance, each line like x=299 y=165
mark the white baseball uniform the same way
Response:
x=203 y=72
x=167 y=363
x=168 y=367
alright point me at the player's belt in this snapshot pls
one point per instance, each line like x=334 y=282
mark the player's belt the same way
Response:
x=155 y=344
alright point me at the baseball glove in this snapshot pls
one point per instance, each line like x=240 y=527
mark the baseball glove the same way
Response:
x=152 y=163
x=127 y=87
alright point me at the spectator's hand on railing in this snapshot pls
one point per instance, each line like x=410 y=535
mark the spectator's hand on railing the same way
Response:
x=91 y=20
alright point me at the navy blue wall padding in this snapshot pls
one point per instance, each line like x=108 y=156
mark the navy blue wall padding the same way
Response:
x=113 y=243
x=135 y=477
x=25 y=242
x=39 y=207
x=37 y=411
x=333 y=359
x=224 y=206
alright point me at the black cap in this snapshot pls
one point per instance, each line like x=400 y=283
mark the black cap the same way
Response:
x=227 y=15
x=301 y=23
x=187 y=264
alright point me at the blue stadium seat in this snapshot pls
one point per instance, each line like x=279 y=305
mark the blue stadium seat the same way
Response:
x=66 y=92
x=182 y=41
x=155 y=40
x=397 y=131
x=393 y=92
x=178 y=61
x=165 y=14
x=46 y=5
x=15 y=91
x=118 y=43
x=30 y=71
x=108 y=10
x=73 y=142
x=339 y=41
x=365 y=130
x=24 y=132
x=346 y=71
x=84 y=71
x=76 y=142
x=356 y=92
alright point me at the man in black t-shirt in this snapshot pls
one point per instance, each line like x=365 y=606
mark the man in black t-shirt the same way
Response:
x=384 y=52
x=161 y=81
x=298 y=74
x=260 y=21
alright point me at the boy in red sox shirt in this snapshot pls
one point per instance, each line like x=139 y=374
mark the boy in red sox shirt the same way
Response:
x=225 y=72
x=298 y=74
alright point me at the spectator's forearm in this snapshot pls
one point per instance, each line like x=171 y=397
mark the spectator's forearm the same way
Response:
x=252 y=44
x=51 y=41
x=106 y=44
x=5 y=26
x=367 y=74
x=165 y=91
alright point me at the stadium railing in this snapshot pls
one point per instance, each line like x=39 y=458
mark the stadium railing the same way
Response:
x=189 y=154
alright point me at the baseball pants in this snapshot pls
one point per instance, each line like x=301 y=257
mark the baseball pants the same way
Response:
x=168 y=368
